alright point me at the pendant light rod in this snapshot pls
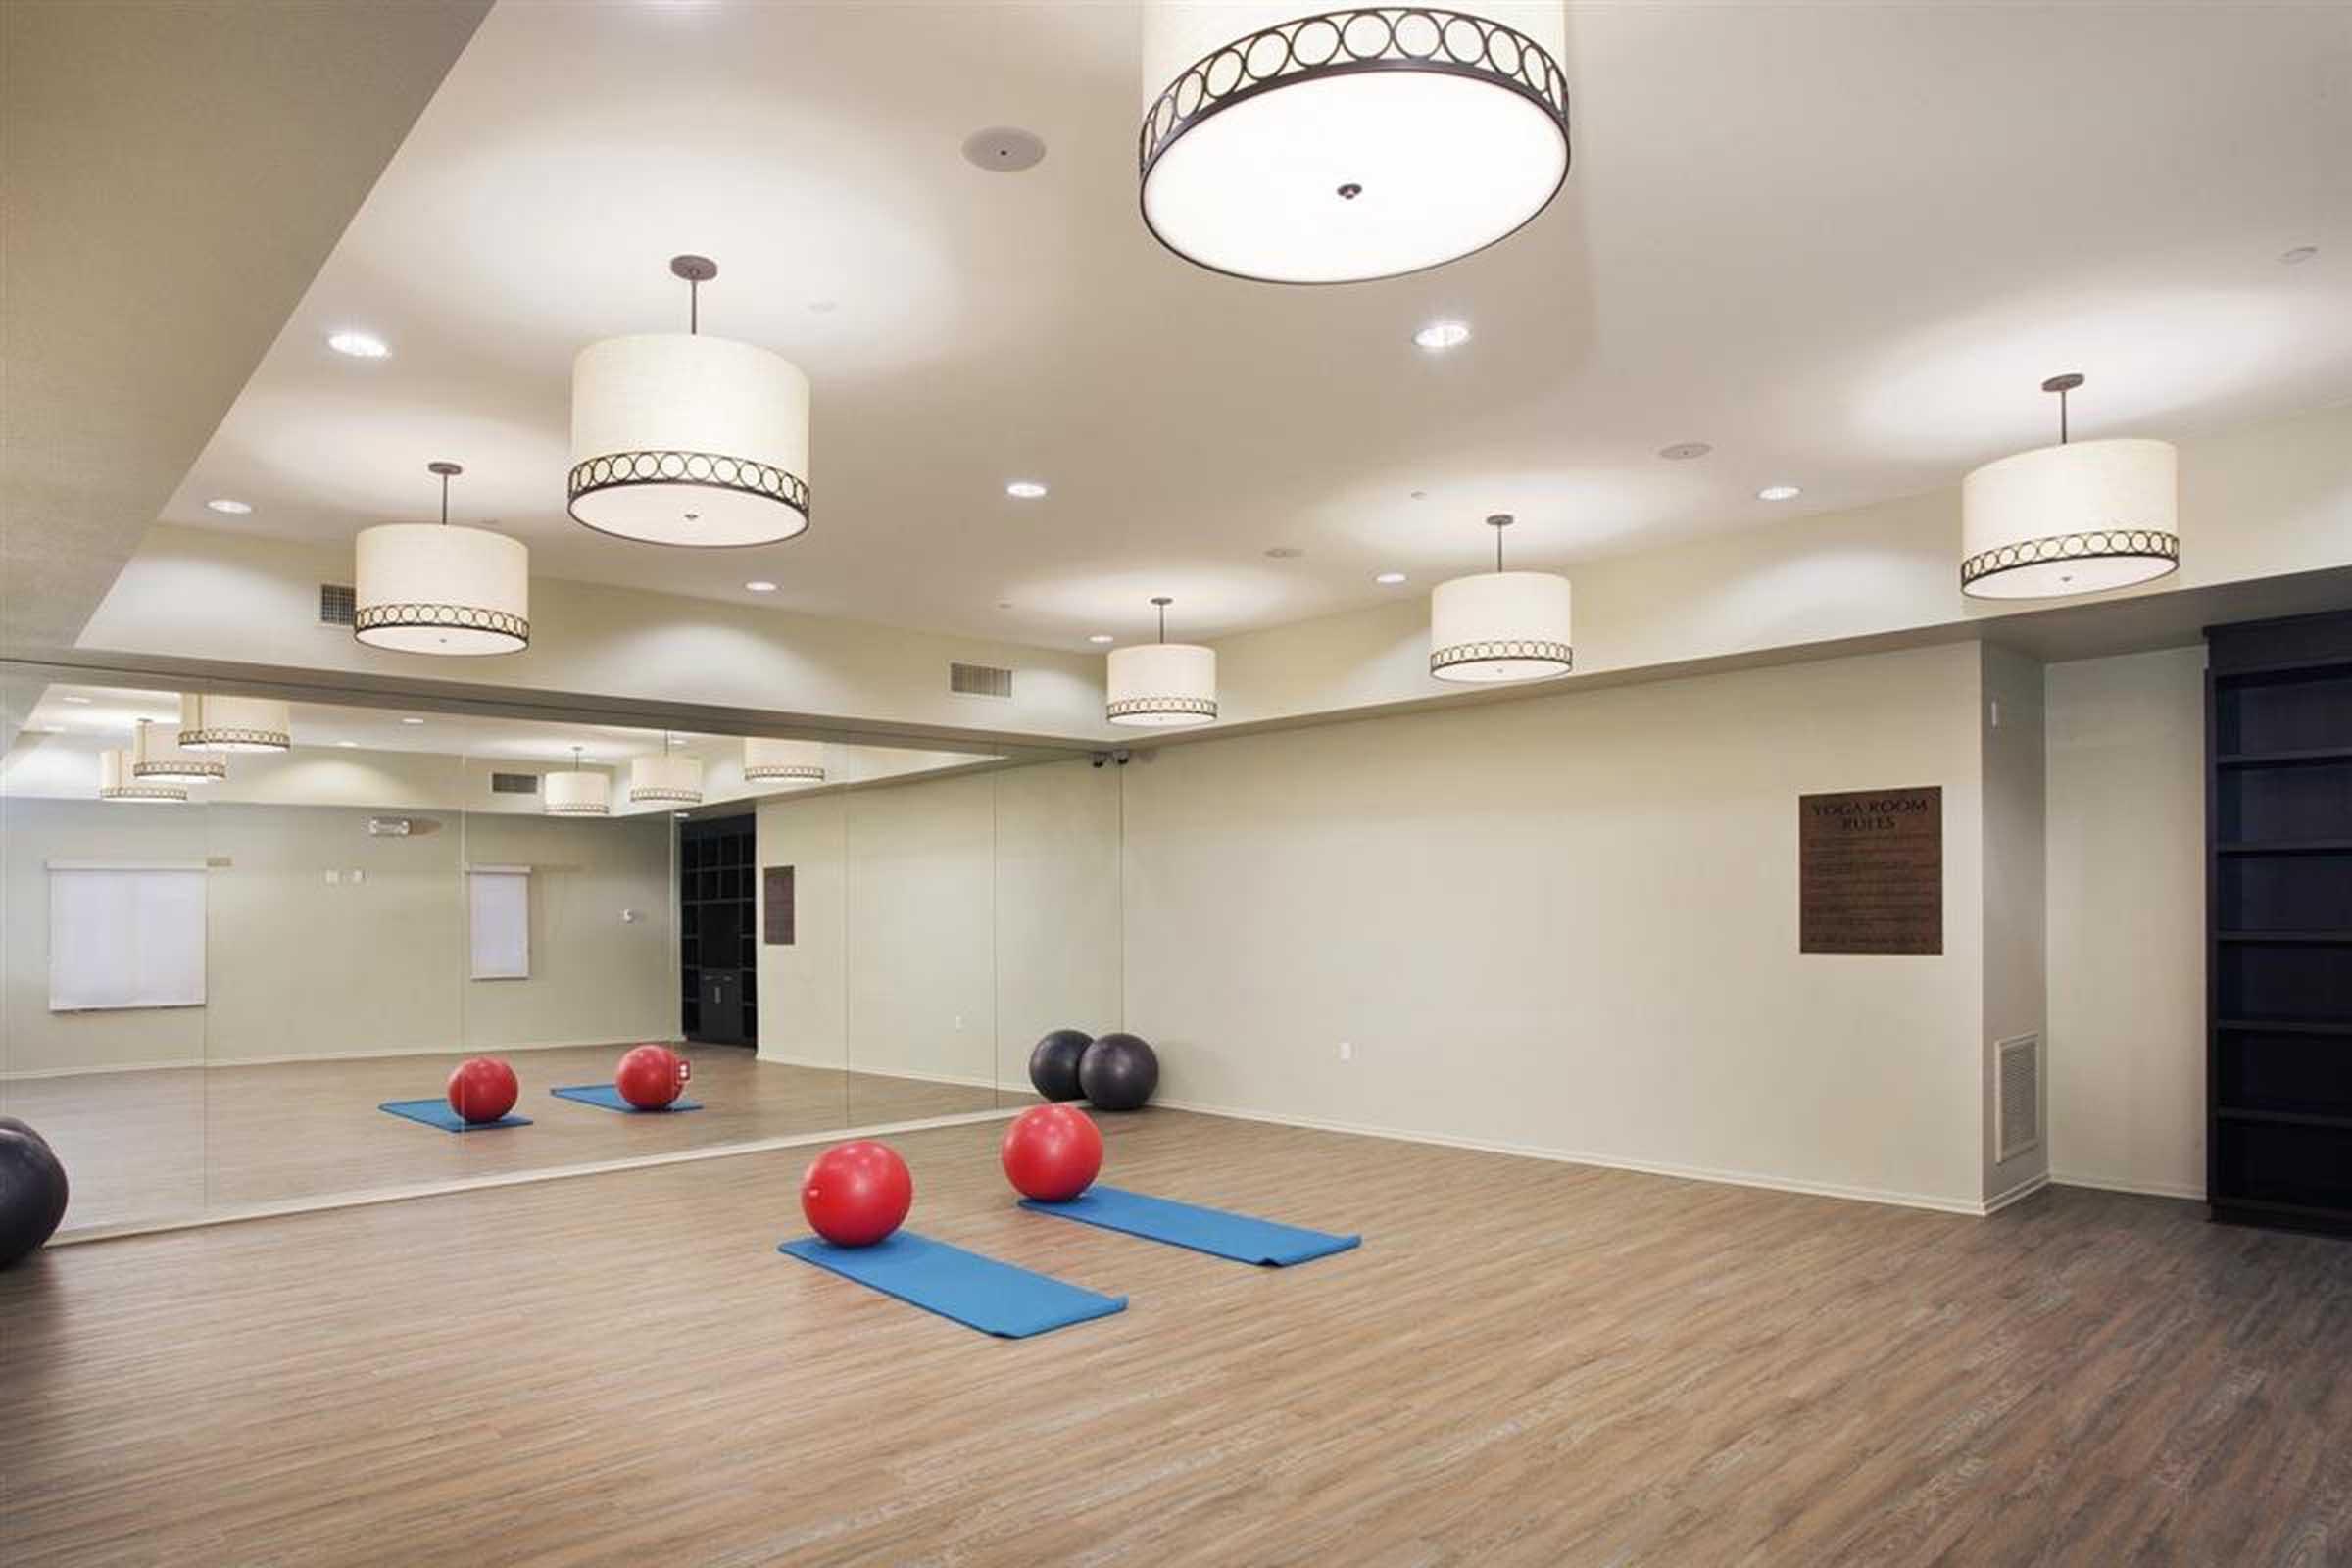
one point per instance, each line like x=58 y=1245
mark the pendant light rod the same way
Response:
x=2062 y=385
x=447 y=471
x=1498 y=521
x=1163 y=602
x=696 y=271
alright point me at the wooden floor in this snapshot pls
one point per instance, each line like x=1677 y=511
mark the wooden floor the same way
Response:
x=1526 y=1363
x=151 y=1146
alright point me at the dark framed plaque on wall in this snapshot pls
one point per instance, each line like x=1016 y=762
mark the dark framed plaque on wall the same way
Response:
x=777 y=905
x=1869 y=871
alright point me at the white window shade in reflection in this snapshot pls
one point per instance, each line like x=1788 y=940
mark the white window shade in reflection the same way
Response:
x=498 y=901
x=126 y=934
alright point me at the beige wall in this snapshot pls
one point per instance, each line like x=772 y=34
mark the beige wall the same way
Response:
x=2015 y=906
x=2126 y=921
x=1569 y=926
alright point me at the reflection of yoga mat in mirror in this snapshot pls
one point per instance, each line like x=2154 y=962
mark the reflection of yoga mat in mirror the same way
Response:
x=436 y=1113
x=609 y=1098
x=1213 y=1231
x=977 y=1291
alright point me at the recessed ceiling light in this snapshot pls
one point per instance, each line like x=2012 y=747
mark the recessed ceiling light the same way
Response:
x=761 y=585
x=1285 y=553
x=79 y=702
x=1390 y=579
x=1420 y=495
x=412 y=721
x=1779 y=492
x=1443 y=335
x=1101 y=637
x=229 y=506
x=359 y=345
x=1004 y=149
x=347 y=744
x=1684 y=450
x=1025 y=489
x=824 y=306
x=2298 y=256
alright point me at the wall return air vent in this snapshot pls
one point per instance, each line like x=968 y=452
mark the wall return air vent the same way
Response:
x=513 y=783
x=338 y=604
x=2017 y=1098
x=979 y=680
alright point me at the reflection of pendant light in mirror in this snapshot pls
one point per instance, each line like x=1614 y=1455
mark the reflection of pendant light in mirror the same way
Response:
x=581 y=792
x=680 y=439
x=209 y=723
x=770 y=761
x=117 y=782
x=157 y=760
x=2073 y=519
x=1162 y=685
x=1500 y=625
x=666 y=778
x=1353 y=144
x=428 y=588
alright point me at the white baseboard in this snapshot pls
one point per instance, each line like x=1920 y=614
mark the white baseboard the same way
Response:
x=167 y=1064
x=2118 y=1184
x=961 y=1080
x=178 y=1063
x=1730 y=1177
x=2025 y=1189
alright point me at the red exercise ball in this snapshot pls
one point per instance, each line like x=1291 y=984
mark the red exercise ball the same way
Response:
x=856 y=1193
x=483 y=1089
x=1051 y=1152
x=650 y=1077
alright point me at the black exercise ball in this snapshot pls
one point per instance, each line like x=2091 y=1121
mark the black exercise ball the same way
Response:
x=33 y=1194
x=1053 y=1064
x=9 y=1124
x=1118 y=1073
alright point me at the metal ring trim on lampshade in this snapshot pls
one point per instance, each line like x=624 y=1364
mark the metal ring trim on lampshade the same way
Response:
x=1501 y=625
x=153 y=761
x=2079 y=517
x=115 y=782
x=666 y=778
x=1358 y=143
x=1161 y=685
x=435 y=588
x=781 y=762
x=210 y=723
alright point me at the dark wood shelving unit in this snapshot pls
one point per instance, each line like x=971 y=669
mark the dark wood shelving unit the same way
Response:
x=2278 y=915
x=719 y=965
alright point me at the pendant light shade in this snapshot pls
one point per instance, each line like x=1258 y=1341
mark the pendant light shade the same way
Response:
x=1162 y=685
x=1500 y=625
x=667 y=779
x=209 y=723
x=1354 y=143
x=774 y=762
x=578 y=791
x=154 y=759
x=2073 y=519
x=429 y=588
x=117 y=782
x=680 y=439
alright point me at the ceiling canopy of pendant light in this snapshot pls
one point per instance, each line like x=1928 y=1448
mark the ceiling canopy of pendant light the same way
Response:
x=1500 y=625
x=2073 y=519
x=209 y=723
x=117 y=781
x=665 y=779
x=1355 y=143
x=680 y=439
x=157 y=759
x=1162 y=685
x=428 y=588
x=774 y=762
x=581 y=792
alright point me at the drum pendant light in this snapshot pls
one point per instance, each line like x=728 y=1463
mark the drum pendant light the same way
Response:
x=1162 y=685
x=1356 y=143
x=156 y=760
x=1500 y=625
x=771 y=761
x=2073 y=519
x=680 y=439
x=117 y=782
x=581 y=792
x=665 y=779
x=209 y=723
x=428 y=588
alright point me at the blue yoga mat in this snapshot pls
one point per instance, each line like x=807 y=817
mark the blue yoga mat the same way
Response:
x=609 y=1098
x=436 y=1113
x=1204 y=1230
x=977 y=1291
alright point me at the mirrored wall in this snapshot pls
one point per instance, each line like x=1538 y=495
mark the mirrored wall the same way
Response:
x=241 y=972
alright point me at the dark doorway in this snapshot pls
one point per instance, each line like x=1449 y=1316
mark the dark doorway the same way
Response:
x=716 y=931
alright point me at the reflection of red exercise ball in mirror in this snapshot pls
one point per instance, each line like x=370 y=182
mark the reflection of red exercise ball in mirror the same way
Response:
x=1051 y=1152
x=482 y=1090
x=650 y=1077
x=856 y=1193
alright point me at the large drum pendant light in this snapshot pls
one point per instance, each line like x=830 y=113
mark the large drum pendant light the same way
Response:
x=680 y=439
x=667 y=779
x=157 y=760
x=209 y=723
x=1500 y=625
x=1356 y=143
x=117 y=782
x=774 y=762
x=1162 y=685
x=2073 y=519
x=581 y=792
x=428 y=588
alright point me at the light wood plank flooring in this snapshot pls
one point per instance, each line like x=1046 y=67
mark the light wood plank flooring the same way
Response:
x=150 y=1146
x=1526 y=1363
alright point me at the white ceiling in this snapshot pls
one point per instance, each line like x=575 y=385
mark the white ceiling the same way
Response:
x=1841 y=243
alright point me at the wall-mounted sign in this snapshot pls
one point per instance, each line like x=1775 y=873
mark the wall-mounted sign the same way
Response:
x=1869 y=871
x=777 y=905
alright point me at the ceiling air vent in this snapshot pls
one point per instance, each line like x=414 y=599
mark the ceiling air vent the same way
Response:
x=979 y=680
x=513 y=783
x=2017 y=1103
x=338 y=604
